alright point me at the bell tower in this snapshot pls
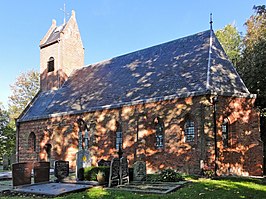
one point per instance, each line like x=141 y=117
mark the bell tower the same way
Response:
x=61 y=52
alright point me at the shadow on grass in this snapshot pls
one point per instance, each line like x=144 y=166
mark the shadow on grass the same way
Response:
x=222 y=188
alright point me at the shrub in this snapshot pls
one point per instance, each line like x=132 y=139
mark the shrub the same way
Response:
x=153 y=177
x=179 y=177
x=169 y=175
x=90 y=173
x=208 y=173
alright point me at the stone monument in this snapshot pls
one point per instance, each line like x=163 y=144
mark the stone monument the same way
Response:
x=139 y=171
x=61 y=170
x=21 y=173
x=124 y=173
x=83 y=157
x=41 y=172
x=114 y=178
x=5 y=162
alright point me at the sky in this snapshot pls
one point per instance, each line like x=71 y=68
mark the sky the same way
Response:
x=108 y=28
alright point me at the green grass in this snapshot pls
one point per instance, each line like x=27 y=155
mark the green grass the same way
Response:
x=198 y=188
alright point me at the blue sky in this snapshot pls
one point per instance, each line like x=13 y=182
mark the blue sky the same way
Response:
x=108 y=27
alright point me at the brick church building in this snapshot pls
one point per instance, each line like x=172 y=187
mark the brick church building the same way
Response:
x=166 y=105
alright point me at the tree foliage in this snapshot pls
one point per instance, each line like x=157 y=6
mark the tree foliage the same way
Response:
x=253 y=62
x=7 y=133
x=231 y=42
x=23 y=91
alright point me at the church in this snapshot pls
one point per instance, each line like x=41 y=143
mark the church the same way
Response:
x=179 y=105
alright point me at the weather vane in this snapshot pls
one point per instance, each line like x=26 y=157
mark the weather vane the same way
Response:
x=211 y=22
x=65 y=12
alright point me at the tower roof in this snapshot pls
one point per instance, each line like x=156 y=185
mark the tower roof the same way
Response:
x=175 y=69
x=54 y=36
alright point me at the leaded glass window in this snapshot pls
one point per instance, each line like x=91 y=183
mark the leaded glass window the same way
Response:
x=225 y=134
x=159 y=127
x=119 y=137
x=189 y=131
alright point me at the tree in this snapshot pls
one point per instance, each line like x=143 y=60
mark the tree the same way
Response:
x=23 y=91
x=7 y=134
x=253 y=61
x=231 y=42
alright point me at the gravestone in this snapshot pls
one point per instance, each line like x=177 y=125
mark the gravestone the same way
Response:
x=83 y=157
x=21 y=173
x=61 y=170
x=103 y=162
x=124 y=173
x=5 y=162
x=41 y=172
x=114 y=178
x=139 y=171
x=13 y=159
x=83 y=160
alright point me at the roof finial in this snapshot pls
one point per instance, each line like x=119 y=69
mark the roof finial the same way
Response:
x=65 y=12
x=211 y=21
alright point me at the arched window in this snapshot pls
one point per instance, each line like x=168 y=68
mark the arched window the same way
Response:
x=119 y=137
x=159 y=127
x=225 y=133
x=189 y=131
x=32 y=142
x=50 y=64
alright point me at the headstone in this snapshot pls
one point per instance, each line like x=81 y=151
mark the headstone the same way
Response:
x=21 y=173
x=41 y=172
x=5 y=162
x=139 y=171
x=13 y=159
x=83 y=160
x=61 y=170
x=114 y=178
x=103 y=162
x=124 y=173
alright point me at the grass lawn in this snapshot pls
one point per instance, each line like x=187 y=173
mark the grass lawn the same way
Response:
x=198 y=188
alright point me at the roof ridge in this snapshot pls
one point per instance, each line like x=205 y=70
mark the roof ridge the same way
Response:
x=142 y=49
x=209 y=61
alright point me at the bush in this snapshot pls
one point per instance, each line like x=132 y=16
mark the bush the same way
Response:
x=153 y=177
x=179 y=177
x=90 y=173
x=169 y=175
x=208 y=173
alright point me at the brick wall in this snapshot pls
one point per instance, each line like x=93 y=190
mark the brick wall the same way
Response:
x=242 y=157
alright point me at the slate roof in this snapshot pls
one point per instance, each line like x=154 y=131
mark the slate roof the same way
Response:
x=54 y=36
x=179 y=68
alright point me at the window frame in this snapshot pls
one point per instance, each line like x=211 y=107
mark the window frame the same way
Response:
x=225 y=133
x=32 y=142
x=159 y=133
x=118 y=137
x=50 y=65
x=189 y=131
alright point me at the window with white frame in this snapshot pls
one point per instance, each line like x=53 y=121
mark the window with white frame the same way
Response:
x=119 y=137
x=225 y=133
x=189 y=131
x=159 y=127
